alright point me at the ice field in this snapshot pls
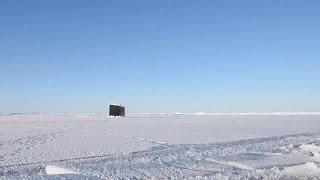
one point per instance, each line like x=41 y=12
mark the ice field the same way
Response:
x=144 y=146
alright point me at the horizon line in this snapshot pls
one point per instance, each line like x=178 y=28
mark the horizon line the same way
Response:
x=166 y=113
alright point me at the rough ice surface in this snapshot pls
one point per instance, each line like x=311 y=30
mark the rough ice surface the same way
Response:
x=143 y=146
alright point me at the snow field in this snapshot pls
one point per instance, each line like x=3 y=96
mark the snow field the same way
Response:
x=215 y=146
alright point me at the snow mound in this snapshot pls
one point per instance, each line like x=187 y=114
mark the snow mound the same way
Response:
x=312 y=149
x=309 y=169
x=53 y=170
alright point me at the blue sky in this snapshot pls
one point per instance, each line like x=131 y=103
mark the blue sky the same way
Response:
x=160 y=56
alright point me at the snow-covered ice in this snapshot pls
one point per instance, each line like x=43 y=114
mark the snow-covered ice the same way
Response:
x=178 y=145
x=51 y=169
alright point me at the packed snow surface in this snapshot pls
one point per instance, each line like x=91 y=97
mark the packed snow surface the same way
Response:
x=143 y=146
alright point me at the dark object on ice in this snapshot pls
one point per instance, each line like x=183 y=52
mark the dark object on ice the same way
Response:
x=116 y=110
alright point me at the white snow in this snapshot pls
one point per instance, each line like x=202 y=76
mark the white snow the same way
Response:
x=312 y=149
x=309 y=169
x=52 y=170
x=233 y=164
x=160 y=145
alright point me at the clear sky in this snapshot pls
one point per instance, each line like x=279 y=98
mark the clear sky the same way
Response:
x=160 y=56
